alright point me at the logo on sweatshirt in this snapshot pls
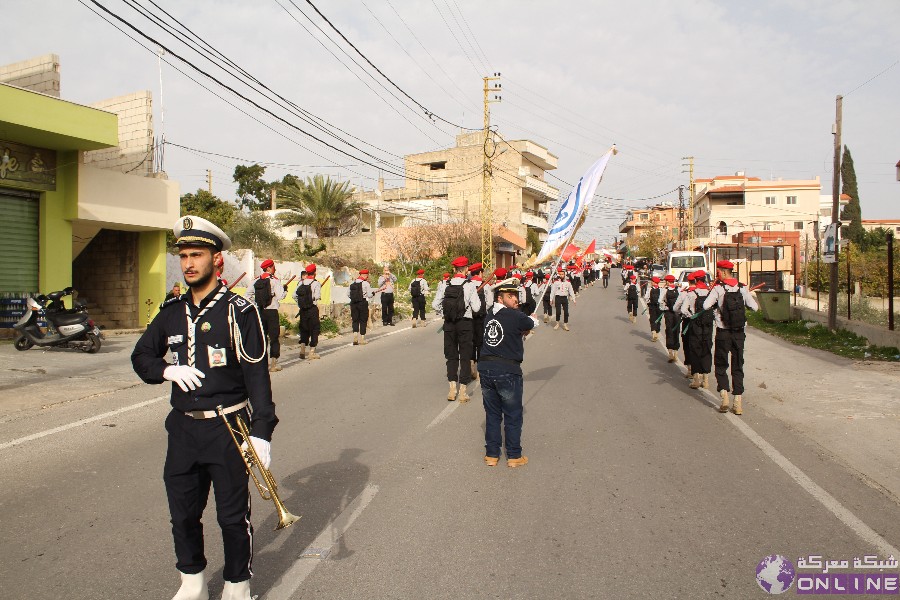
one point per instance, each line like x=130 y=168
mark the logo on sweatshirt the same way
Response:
x=493 y=333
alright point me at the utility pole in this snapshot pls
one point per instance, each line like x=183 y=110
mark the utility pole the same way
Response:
x=835 y=214
x=272 y=194
x=681 y=232
x=209 y=179
x=489 y=148
x=690 y=165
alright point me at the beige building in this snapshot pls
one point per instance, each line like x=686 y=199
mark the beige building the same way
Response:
x=664 y=216
x=445 y=186
x=889 y=224
x=727 y=205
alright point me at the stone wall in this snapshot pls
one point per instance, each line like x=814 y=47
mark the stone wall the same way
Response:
x=40 y=74
x=106 y=276
x=134 y=154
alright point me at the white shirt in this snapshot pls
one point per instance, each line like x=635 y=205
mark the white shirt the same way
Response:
x=278 y=292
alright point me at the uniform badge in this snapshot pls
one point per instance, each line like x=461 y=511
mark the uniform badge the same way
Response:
x=175 y=339
x=205 y=327
x=493 y=333
x=217 y=357
x=187 y=223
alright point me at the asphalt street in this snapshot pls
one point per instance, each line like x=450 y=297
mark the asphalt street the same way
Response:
x=636 y=486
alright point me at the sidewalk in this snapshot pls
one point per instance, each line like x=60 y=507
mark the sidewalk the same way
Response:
x=849 y=408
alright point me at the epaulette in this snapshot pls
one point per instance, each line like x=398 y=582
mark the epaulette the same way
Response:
x=171 y=301
x=240 y=302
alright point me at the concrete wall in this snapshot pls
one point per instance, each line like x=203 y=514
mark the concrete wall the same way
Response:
x=875 y=335
x=40 y=74
x=107 y=196
x=106 y=273
x=134 y=154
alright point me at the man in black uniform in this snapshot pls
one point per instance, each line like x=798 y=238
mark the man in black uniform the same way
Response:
x=219 y=360
x=475 y=276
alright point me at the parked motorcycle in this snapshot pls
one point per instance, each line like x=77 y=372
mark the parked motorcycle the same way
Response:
x=68 y=327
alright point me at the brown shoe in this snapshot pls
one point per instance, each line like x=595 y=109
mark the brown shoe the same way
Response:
x=566 y=326
x=512 y=463
x=463 y=395
x=737 y=408
x=452 y=394
x=491 y=461
x=723 y=408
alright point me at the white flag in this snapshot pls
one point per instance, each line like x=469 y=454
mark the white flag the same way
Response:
x=570 y=212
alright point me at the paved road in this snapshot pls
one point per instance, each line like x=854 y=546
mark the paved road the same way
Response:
x=636 y=487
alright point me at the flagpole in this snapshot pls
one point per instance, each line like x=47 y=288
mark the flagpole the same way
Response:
x=559 y=260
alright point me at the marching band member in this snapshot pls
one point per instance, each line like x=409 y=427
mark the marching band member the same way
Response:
x=219 y=360
x=651 y=297
x=417 y=293
x=562 y=291
x=667 y=301
x=458 y=300
x=307 y=294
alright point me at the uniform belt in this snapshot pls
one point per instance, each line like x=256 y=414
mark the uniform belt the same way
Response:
x=500 y=359
x=211 y=414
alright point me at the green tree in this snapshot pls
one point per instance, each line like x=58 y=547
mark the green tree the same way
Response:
x=322 y=204
x=852 y=213
x=254 y=230
x=652 y=244
x=253 y=190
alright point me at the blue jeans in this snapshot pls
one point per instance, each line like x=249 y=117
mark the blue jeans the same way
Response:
x=502 y=396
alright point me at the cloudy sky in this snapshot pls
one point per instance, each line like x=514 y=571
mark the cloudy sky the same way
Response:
x=741 y=86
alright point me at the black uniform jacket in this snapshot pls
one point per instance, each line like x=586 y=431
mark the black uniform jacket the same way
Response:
x=232 y=381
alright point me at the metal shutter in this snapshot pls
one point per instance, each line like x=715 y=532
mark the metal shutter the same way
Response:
x=18 y=244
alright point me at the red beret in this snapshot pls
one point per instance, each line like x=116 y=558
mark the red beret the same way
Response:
x=529 y=275
x=420 y=272
x=500 y=273
x=634 y=277
x=364 y=272
x=725 y=264
x=670 y=277
x=267 y=263
x=446 y=275
x=701 y=274
x=518 y=276
x=571 y=267
x=628 y=267
x=475 y=267
x=690 y=276
x=311 y=268
x=655 y=279
x=460 y=261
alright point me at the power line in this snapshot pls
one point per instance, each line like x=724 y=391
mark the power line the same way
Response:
x=450 y=29
x=874 y=77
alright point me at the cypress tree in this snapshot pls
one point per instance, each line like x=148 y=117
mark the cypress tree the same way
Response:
x=851 y=216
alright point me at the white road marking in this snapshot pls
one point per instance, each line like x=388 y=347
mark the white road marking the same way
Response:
x=61 y=428
x=302 y=568
x=831 y=504
x=448 y=410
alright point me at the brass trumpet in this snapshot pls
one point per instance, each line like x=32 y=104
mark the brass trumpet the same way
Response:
x=269 y=491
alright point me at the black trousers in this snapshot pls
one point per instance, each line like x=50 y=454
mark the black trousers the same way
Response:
x=200 y=453
x=562 y=305
x=576 y=284
x=730 y=342
x=458 y=350
x=654 y=315
x=548 y=305
x=700 y=343
x=418 y=305
x=272 y=329
x=387 y=308
x=688 y=357
x=477 y=337
x=359 y=313
x=605 y=279
x=632 y=305
x=673 y=325
x=310 y=326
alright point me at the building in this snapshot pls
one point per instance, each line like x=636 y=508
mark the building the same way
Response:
x=727 y=205
x=444 y=186
x=80 y=199
x=889 y=224
x=825 y=207
x=770 y=257
x=664 y=216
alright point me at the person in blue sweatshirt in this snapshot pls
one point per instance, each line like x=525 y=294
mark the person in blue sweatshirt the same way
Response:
x=499 y=366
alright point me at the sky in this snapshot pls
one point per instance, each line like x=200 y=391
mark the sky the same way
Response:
x=740 y=86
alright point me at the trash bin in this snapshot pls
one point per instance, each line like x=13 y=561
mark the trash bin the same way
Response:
x=775 y=305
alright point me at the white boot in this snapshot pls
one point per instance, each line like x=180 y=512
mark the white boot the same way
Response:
x=302 y=351
x=452 y=394
x=193 y=587
x=415 y=323
x=312 y=354
x=362 y=340
x=236 y=591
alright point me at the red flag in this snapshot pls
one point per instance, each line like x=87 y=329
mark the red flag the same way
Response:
x=591 y=249
x=570 y=251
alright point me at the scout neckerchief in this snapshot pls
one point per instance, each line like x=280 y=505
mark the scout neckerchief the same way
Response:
x=192 y=323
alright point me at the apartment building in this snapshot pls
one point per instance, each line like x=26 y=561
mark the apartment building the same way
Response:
x=664 y=216
x=727 y=205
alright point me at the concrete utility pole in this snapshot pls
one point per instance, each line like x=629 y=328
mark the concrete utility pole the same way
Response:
x=209 y=180
x=835 y=214
x=690 y=165
x=489 y=148
x=681 y=232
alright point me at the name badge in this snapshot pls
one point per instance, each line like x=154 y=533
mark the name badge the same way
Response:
x=175 y=339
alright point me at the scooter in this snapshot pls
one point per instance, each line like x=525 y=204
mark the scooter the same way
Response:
x=69 y=327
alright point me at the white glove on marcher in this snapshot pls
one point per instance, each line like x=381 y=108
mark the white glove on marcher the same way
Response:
x=186 y=377
x=263 y=450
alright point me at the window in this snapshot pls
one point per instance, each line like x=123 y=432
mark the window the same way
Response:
x=791 y=200
x=770 y=199
x=798 y=225
x=438 y=166
x=644 y=216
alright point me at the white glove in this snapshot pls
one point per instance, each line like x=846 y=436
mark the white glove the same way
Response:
x=186 y=377
x=263 y=450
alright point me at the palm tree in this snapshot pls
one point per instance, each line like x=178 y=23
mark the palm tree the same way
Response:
x=320 y=203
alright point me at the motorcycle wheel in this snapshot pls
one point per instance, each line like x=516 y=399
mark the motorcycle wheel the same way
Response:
x=93 y=345
x=23 y=343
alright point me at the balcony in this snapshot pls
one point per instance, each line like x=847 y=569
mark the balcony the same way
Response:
x=535 y=219
x=540 y=188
